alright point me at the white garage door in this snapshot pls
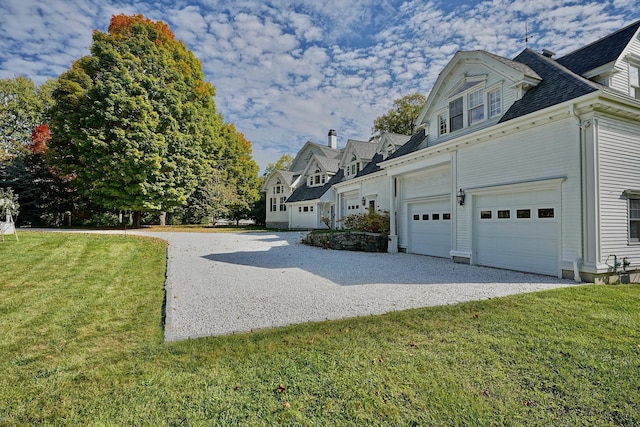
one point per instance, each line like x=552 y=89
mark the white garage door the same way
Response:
x=517 y=231
x=430 y=228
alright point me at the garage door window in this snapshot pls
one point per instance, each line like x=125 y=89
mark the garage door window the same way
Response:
x=634 y=220
x=485 y=214
x=425 y=217
x=504 y=214
x=546 y=213
x=523 y=213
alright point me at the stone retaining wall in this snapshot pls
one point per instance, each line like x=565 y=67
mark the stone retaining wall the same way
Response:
x=348 y=241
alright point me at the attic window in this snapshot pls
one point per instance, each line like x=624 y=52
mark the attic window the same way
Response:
x=456 y=115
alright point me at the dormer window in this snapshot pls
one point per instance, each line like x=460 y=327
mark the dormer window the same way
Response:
x=318 y=178
x=466 y=109
x=456 y=118
x=353 y=167
x=278 y=188
x=476 y=106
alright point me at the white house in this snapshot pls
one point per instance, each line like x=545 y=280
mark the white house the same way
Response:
x=305 y=187
x=529 y=164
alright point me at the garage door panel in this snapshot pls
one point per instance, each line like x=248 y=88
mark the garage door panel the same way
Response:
x=517 y=243
x=430 y=228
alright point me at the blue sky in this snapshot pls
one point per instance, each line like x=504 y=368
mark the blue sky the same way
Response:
x=288 y=71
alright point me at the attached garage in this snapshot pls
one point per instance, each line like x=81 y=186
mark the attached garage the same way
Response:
x=430 y=228
x=517 y=231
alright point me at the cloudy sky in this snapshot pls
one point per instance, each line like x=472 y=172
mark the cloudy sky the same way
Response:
x=287 y=71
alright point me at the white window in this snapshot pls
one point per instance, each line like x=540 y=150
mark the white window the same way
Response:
x=456 y=115
x=495 y=103
x=634 y=220
x=442 y=123
x=634 y=81
x=476 y=106
x=272 y=204
x=283 y=207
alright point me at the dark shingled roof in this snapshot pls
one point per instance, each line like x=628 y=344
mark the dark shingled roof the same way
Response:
x=371 y=167
x=558 y=85
x=600 y=52
x=304 y=192
x=410 y=146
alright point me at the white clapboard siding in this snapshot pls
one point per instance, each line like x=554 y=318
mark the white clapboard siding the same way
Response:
x=547 y=151
x=619 y=167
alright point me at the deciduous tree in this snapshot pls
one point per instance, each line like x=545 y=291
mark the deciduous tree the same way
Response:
x=135 y=122
x=401 y=118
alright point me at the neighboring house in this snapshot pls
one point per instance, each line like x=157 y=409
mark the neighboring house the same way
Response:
x=307 y=181
x=530 y=164
x=364 y=185
x=278 y=187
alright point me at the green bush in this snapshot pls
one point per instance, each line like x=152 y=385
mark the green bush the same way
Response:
x=371 y=222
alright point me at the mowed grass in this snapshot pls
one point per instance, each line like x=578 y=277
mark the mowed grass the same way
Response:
x=81 y=343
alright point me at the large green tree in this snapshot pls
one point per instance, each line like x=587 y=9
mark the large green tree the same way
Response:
x=402 y=117
x=135 y=122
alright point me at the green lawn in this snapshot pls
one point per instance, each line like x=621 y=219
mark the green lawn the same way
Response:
x=81 y=344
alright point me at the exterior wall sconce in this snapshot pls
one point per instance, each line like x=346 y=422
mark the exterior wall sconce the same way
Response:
x=461 y=197
x=364 y=201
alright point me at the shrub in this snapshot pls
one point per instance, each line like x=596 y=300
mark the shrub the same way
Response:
x=371 y=222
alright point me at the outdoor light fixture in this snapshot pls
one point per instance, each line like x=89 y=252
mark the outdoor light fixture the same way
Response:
x=461 y=197
x=364 y=201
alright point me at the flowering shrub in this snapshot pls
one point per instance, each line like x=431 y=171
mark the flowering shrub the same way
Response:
x=371 y=222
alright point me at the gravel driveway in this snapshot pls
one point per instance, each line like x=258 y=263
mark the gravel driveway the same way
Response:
x=221 y=283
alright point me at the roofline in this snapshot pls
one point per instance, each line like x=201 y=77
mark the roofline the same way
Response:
x=553 y=112
x=637 y=22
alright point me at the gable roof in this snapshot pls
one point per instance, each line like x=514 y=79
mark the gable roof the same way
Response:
x=410 y=146
x=558 y=85
x=288 y=177
x=516 y=72
x=304 y=192
x=600 y=52
x=362 y=150
x=314 y=147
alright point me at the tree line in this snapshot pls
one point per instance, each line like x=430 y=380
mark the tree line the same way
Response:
x=130 y=128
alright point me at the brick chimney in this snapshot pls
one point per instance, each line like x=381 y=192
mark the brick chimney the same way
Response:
x=333 y=139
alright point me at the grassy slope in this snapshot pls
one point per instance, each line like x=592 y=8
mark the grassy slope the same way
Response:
x=81 y=343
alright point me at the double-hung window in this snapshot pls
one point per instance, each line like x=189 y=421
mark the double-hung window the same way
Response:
x=476 y=106
x=456 y=115
x=634 y=220
x=442 y=124
x=495 y=103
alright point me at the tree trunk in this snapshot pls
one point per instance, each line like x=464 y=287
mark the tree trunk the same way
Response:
x=163 y=218
x=137 y=219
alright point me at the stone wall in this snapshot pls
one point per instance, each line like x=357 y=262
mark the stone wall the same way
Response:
x=348 y=241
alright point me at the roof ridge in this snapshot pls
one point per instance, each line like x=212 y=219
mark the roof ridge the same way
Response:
x=636 y=23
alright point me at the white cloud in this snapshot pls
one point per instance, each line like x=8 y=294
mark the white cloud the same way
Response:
x=286 y=72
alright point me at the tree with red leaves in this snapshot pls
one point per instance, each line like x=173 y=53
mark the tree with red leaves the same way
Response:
x=39 y=139
x=135 y=122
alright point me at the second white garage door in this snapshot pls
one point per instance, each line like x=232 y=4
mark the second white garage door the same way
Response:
x=517 y=231
x=430 y=228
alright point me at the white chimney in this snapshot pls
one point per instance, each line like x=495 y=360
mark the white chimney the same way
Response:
x=333 y=139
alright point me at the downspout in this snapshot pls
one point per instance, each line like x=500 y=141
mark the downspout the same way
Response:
x=578 y=260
